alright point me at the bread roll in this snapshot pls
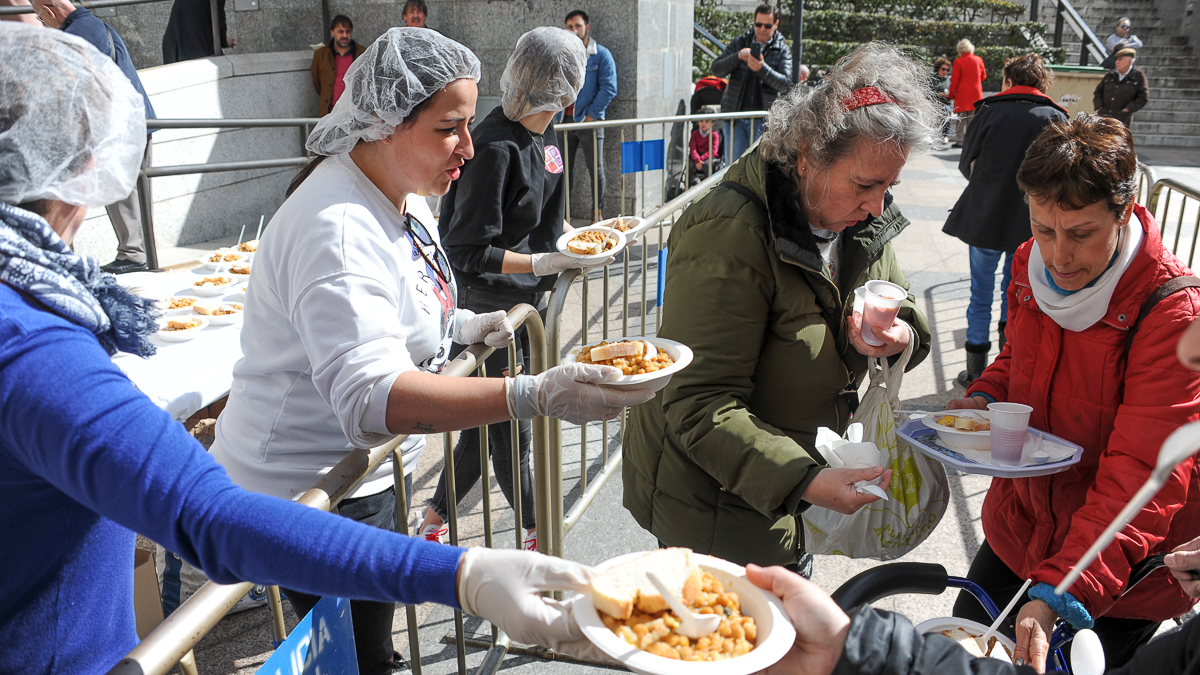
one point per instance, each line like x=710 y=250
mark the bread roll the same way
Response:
x=625 y=587
x=616 y=349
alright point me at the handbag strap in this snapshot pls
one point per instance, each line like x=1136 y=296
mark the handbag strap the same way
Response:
x=1168 y=288
x=745 y=192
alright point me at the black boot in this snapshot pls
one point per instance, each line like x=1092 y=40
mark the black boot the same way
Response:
x=976 y=362
x=1003 y=339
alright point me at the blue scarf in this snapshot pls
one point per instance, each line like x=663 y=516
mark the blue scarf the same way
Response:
x=35 y=261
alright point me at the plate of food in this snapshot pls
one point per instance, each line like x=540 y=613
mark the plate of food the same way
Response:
x=967 y=633
x=962 y=429
x=646 y=362
x=250 y=247
x=592 y=244
x=624 y=224
x=179 y=304
x=627 y=618
x=219 y=314
x=180 y=329
x=240 y=270
x=1043 y=454
x=212 y=286
x=221 y=259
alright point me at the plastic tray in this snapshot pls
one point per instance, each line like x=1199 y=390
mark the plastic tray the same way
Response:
x=925 y=440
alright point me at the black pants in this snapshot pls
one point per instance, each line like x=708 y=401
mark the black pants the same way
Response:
x=372 y=620
x=467 y=467
x=1120 y=637
x=592 y=156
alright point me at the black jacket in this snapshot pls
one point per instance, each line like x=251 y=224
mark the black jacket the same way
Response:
x=991 y=213
x=189 y=33
x=1114 y=95
x=506 y=199
x=775 y=76
x=882 y=642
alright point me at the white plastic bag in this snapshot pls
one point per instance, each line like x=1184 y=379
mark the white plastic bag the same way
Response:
x=884 y=530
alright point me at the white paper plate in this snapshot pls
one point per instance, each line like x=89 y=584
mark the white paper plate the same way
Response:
x=653 y=381
x=775 y=633
x=182 y=335
x=220 y=319
x=957 y=438
x=214 y=291
x=911 y=429
x=634 y=224
x=212 y=266
x=589 y=259
x=936 y=626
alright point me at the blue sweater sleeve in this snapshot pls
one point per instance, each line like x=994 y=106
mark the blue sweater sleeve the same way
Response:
x=74 y=419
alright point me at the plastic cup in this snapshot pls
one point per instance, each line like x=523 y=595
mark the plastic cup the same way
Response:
x=1010 y=423
x=881 y=304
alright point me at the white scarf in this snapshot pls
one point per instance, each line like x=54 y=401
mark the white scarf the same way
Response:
x=1081 y=310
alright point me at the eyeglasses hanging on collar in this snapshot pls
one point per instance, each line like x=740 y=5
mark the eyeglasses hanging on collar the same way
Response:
x=424 y=247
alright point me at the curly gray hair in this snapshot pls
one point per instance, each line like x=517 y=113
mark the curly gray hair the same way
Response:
x=812 y=122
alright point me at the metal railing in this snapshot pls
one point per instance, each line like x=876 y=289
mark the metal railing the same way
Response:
x=707 y=36
x=1172 y=217
x=173 y=639
x=1089 y=43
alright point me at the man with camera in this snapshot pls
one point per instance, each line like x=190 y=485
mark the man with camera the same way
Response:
x=758 y=64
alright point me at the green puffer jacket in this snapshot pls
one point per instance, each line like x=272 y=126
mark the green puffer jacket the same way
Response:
x=718 y=461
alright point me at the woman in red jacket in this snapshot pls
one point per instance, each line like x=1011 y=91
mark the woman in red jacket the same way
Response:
x=966 y=87
x=1077 y=291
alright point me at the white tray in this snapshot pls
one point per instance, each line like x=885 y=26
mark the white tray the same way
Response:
x=925 y=441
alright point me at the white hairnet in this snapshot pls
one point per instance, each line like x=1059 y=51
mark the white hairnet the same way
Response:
x=545 y=72
x=72 y=127
x=398 y=71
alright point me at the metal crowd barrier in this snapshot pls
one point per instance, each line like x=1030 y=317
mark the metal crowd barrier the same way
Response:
x=1172 y=214
x=172 y=641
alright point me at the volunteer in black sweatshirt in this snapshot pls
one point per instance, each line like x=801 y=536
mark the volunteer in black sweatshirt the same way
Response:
x=499 y=224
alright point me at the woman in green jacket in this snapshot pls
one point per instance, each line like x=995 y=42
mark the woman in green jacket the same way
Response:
x=759 y=284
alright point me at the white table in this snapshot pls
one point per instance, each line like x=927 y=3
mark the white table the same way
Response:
x=183 y=377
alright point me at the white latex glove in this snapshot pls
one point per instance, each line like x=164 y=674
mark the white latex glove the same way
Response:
x=503 y=586
x=552 y=263
x=493 y=329
x=572 y=392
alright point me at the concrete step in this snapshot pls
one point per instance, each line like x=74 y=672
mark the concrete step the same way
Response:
x=1165 y=128
x=1170 y=104
x=1170 y=141
x=1150 y=114
x=1172 y=83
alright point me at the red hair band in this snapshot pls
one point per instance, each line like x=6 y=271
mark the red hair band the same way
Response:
x=860 y=98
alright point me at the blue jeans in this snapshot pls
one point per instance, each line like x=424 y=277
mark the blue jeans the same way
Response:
x=740 y=136
x=983 y=291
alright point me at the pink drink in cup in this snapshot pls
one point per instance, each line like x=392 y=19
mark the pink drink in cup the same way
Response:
x=881 y=303
x=1010 y=423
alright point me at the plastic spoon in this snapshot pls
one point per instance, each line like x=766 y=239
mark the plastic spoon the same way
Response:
x=240 y=235
x=1087 y=654
x=258 y=234
x=1180 y=445
x=598 y=248
x=983 y=639
x=691 y=624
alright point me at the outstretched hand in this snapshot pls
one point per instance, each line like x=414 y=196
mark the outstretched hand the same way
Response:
x=821 y=626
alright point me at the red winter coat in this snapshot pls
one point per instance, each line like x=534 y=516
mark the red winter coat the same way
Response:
x=966 y=82
x=1040 y=526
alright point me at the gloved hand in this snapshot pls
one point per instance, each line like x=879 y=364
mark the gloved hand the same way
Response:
x=553 y=263
x=503 y=586
x=493 y=329
x=572 y=392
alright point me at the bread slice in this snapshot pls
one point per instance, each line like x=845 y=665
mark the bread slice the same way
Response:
x=965 y=639
x=625 y=587
x=616 y=349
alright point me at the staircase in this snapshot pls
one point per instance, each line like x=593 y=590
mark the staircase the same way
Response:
x=1172 y=117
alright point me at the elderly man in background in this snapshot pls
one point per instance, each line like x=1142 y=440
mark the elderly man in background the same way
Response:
x=599 y=89
x=125 y=215
x=1123 y=90
x=415 y=13
x=1122 y=35
x=330 y=63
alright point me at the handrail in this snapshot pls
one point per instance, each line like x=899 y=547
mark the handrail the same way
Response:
x=97 y=4
x=604 y=124
x=1164 y=183
x=708 y=36
x=179 y=632
x=230 y=123
x=1090 y=43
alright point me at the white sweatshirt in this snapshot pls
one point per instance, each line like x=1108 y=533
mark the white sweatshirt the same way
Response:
x=336 y=308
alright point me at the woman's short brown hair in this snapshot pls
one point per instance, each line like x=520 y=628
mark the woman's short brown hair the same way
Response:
x=941 y=61
x=1081 y=162
x=1028 y=70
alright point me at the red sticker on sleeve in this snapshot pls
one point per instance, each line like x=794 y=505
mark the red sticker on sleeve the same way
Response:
x=554 y=163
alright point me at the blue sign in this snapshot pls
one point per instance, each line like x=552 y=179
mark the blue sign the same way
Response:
x=641 y=156
x=321 y=644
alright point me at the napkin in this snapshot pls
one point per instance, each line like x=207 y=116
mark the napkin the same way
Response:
x=851 y=453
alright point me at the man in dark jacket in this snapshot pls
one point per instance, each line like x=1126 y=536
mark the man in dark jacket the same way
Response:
x=1123 y=91
x=991 y=215
x=758 y=64
x=125 y=215
x=189 y=33
x=330 y=63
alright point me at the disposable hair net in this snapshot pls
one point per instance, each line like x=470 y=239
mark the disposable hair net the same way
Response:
x=72 y=127
x=397 y=72
x=545 y=72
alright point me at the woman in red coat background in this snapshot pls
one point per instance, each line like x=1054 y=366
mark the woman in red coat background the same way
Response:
x=1077 y=290
x=966 y=87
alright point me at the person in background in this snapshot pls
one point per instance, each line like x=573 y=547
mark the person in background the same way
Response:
x=126 y=214
x=84 y=467
x=353 y=308
x=991 y=216
x=189 y=33
x=939 y=83
x=1122 y=34
x=802 y=74
x=758 y=64
x=704 y=147
x=330 y=63
x=500 y=222
x=29 y=18
x=599 y=89
x=966 y=87
x=1123 y=90
x=415 y=13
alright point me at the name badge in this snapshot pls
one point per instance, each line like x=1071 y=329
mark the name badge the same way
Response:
x=554 y=162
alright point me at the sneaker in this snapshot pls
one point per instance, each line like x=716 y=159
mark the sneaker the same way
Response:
x=435 y=533
x=531 y=541
x=123 y=266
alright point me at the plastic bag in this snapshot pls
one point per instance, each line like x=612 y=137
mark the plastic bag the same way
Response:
x=884 y=530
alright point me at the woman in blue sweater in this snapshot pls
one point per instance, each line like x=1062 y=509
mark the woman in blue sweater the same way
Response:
x=86 y=460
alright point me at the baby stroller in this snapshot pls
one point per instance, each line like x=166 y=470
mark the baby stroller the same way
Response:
x=931 y=579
